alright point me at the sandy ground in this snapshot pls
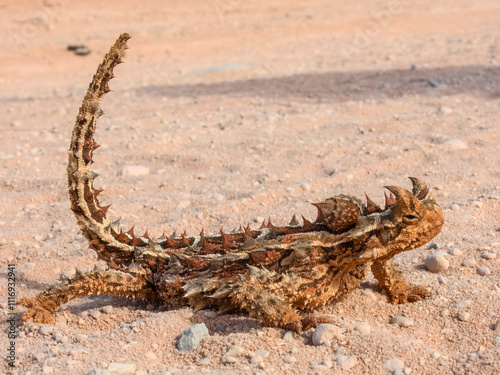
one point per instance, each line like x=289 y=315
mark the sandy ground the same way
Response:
x=244 y=110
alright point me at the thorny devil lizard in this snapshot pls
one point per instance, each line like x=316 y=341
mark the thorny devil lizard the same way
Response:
x=276 y=274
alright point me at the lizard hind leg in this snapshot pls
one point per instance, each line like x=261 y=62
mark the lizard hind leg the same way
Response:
x=256 y=296
x=110 y=282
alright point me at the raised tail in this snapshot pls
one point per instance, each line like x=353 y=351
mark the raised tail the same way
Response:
x=91 y=216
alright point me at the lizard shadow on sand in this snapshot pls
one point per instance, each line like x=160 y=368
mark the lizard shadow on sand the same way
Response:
x=344 y=86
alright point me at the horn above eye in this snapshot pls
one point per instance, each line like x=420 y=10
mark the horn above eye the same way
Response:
x=420 y=189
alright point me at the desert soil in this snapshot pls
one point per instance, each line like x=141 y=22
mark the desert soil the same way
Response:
x=242 y=110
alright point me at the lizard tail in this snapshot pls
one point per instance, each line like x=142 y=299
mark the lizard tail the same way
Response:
x=113 y=247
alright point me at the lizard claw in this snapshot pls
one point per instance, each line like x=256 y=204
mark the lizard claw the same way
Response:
x=36 y=312
x=413 y=293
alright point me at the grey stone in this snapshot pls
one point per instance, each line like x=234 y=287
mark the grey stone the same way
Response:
x=122 y=368
x=393 y=364
x=340 y=351
x=326 y=332
x=191 y=337
x=483 y=271
x=346 y=362
x=401 y=321
x=437 y=262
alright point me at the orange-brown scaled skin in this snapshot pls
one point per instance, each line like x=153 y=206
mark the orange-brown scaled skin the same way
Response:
x=275 y=274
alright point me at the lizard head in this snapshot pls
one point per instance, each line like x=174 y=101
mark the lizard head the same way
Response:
x=412 y=221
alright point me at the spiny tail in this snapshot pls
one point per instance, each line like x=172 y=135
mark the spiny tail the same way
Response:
x=91 y=216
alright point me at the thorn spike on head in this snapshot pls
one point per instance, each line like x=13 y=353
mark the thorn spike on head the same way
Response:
x=263 y=224
x=420 y=189
x=392 y=198
x=97 y=192
x=321 y=216
x=396 y=194
x=146 y=235
x=387 y=204
x=240 y=229
x=96 y=146
x=100 y=113
x=131 y=231
x=371 y=206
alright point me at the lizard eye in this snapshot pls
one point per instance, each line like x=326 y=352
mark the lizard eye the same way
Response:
x=410 y=219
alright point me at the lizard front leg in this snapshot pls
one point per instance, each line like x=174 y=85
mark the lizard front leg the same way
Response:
x=391 y=278
x=111 y=282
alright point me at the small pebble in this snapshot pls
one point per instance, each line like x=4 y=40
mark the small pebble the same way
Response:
x=3 y=242
x=259 y=356
x=340 y=351
x=488 y=256
x=435 y=354
x=327 y=344
x=444 y=312
x=483 y=271
x=433 y=246
x=496 y=326
x=484 y=248
x=496 y=340
x=81 y=338
x=463 y=316
x=289 y=359
x=220 y=328
x=326 y=332
x=191 y=337
x=346 y=362
x=469 y=263
x=327 y=363
x=95 y=314
x=229 y=359
x=455 y=207
x=107 y=309
x=437 y=262
x=433 y=83
x=393 y=364
x=211 y=314
x=150 y=355
x=456 y=144
x=204 y=362
x=122 y=368
x=289 y=336
x=45 y=330
x=235 y=351
x=441 y=280
x=363 y=328
x=401 y=321
x=455 y=252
